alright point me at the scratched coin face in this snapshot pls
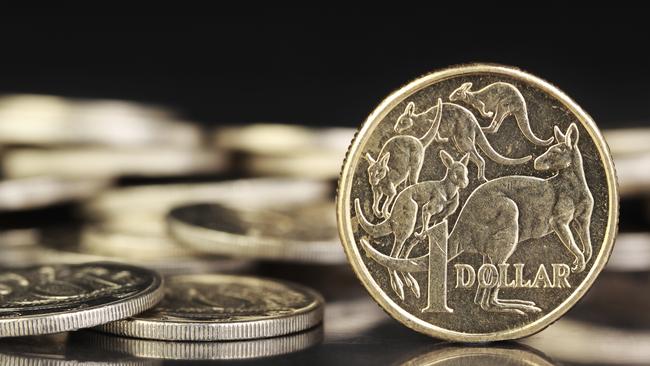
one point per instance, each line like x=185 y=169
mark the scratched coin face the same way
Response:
x=224 y=307
x=56 y=298
x=478 y=203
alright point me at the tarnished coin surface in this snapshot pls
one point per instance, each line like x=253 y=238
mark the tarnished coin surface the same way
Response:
x=299 y=233
x=223 y=307
x=478 y=203
x=50 y=299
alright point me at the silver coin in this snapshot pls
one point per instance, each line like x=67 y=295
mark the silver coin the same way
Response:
x=37 y=192
x=52 y=121
x=56 y=298
x=633 y=174
x=224 y=307
x=231 y=350
x=631 y=253
x=128 y=208
x=287 y=150
x=300 y=233
x=103 y=162
x=282 y=139
x=627 y=141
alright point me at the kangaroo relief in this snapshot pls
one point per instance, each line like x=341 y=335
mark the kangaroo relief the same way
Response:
x=476 y=260
x=400 y=160
x=498 y=101
x=458 y=125
x=506 y=211
x=437 y=198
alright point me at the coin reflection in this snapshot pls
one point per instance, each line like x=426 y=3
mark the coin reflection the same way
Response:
x=509 y=354
x=53 y=350
x=231 y=350
x=575 y=341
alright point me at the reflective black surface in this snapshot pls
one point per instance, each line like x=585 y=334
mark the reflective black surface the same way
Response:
x=357 y=332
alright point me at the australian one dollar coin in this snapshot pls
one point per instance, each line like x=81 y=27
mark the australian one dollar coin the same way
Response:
x=478 y=203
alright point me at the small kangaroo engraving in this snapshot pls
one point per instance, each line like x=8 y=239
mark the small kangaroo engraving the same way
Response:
x=434 y=197
x=506 y=211
x=459 y=126
x=498 y=101
x=399 y=160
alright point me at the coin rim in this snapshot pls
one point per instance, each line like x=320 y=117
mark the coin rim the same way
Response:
x=302 y=319
x=87 y=317
x=353 y=156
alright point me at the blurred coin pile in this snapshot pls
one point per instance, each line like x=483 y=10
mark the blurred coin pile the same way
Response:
x=96 y=181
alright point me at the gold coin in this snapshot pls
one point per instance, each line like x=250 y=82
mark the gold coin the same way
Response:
x=478 y=203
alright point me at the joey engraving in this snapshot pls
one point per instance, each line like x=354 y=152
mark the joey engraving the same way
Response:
x=459 y=126
x=436 y=199
x=400 y=160
x=499 y=101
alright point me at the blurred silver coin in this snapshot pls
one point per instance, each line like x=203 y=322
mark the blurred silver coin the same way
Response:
x=101 y=162
x=631 y=253
x=230 y=350
x=150 y=250
x=299 y=233
x=37 y=192
x=633 y=173
x=223 y=307
x=579 y=342
x=287 y=150
x=100 y=240
x=145 y=207
x=55 y=350
x=57 y=298
x=481 y=355
x=50 y=120
x=307 y=164
x=628 y=141
x=282 y=139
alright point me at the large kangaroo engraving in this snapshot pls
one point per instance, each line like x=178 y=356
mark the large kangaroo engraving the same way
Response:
x=498 y=101
x=399 y=160
x=506 y=211
x=435 y=197
x=460 y=126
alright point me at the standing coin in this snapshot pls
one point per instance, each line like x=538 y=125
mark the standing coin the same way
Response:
x=478 y=203
x=223 y=307
x=57 y=298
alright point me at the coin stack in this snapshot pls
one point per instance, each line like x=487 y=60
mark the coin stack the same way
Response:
x=131 y=232
x=118 y=218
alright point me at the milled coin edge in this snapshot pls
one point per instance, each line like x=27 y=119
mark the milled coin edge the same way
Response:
x=89 y=317
x=302 y=319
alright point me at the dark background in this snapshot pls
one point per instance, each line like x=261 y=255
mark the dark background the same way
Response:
x=323 y=67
